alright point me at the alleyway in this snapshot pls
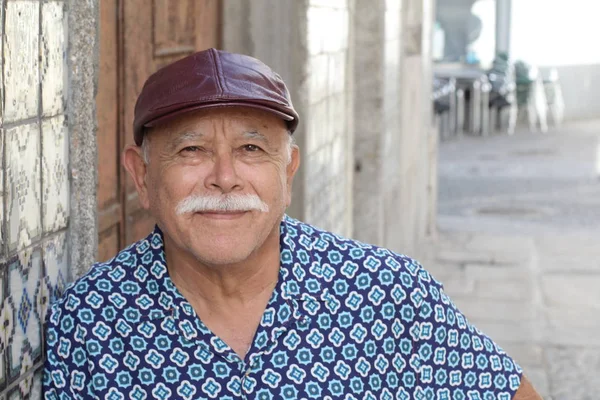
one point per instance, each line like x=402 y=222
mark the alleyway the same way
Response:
x=519 y=249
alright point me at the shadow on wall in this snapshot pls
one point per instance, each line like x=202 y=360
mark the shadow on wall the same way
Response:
x=581 y=90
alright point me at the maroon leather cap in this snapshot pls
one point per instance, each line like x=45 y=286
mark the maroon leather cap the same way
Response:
x=211 y=78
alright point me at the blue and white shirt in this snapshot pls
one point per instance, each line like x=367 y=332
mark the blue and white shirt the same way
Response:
x=346 y=321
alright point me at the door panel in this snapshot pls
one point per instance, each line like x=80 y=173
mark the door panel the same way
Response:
x=108 y=188
x=174 y=27
x=137 y=37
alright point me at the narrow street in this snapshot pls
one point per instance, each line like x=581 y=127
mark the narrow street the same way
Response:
x=519 y=249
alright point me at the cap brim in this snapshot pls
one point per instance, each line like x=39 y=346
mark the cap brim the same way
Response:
x=169 y=117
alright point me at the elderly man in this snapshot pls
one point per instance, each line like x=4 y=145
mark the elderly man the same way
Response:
x=228 y=298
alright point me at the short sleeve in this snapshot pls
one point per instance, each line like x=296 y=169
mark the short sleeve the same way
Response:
x=454 y=359
x=66 y=374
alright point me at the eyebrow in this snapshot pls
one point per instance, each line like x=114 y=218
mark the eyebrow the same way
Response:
x=194 y=135
x=256 y=136
x=184 y=137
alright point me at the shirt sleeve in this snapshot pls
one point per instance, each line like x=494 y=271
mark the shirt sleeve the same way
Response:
x=66 y=374
x=453 y=358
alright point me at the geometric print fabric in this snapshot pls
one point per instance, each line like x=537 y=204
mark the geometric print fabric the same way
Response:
x=346 y=321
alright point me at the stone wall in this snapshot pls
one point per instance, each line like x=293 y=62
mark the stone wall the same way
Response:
x=362 y=90
x=413 y=203
x=35 y=185
x=395 y=146
x=327 y=152
x=369 y=119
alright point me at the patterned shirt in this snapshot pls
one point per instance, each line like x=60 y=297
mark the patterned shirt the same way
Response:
x=346 y=321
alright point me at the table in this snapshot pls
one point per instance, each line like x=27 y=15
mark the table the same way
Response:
x=474 y=80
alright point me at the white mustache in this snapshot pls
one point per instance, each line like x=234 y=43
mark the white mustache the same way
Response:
x=198 y=203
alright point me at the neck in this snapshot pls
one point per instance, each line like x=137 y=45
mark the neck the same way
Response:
x=221 y=285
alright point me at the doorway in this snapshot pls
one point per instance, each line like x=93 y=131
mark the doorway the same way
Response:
x=137 y=37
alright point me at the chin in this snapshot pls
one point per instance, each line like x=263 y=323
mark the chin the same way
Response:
x=228 y=242
x=221 y=256
x=222 y=249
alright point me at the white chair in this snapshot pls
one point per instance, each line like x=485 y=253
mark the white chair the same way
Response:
x=554 y=97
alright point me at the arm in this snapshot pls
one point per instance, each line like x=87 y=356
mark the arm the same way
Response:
x=526 y=391
x=449 y=346
x=66 y=374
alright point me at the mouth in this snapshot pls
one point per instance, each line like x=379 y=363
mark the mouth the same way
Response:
x=222 y=214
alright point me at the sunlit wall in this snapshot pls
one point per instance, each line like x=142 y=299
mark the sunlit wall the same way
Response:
x=562 y=34
x=556 y=32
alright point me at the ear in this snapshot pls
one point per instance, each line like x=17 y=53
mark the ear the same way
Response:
x=133 y=162
x=291 y=170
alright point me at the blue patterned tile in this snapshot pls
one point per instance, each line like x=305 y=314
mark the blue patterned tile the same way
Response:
x=24 y=285
x=21 y=60
x=55 y=272
x=2 y=190
x=55 y=181
x=30 y=388
x=6 y=325
x=23 y=185
x=53 y=57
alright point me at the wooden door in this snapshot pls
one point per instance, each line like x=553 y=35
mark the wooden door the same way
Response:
x=137 y=37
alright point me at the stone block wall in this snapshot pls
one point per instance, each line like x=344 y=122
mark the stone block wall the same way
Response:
x=393 y=134
x=35 y=186
x=418 y=143
x=395 y=146
x=327 y=151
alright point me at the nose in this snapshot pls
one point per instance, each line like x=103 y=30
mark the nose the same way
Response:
x=223 y=176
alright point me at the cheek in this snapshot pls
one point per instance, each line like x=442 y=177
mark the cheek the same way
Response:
x=176 y=183
x=269 y=181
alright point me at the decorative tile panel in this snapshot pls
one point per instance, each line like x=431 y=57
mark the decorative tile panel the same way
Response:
x=5 y=327
x=55 y=272
x=55 y=184
x=21 y=55
x=23 y=181
x=30 y=388
x=34 y=186
x=24 y=286
x=53 y=58
x=2 y=190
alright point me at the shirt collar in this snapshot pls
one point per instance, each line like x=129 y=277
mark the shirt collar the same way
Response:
x=299 y=290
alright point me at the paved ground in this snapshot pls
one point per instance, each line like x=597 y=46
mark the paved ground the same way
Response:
x=519 y=249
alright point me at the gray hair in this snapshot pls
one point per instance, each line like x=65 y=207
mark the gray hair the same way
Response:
x=145 y=147
x=291 y=144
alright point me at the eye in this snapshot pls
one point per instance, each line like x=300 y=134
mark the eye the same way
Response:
x=191 y=149
x=251 y=148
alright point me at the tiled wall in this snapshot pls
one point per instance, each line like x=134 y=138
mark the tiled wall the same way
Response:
x=327 y=153
x=35 y=186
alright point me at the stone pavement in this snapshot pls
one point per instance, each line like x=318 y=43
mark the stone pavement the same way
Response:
x=527 y=276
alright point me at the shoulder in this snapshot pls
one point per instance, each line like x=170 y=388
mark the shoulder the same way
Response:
x=109 y=288
x=363 y=264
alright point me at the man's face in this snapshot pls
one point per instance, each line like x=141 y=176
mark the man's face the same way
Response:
x=221 y=153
